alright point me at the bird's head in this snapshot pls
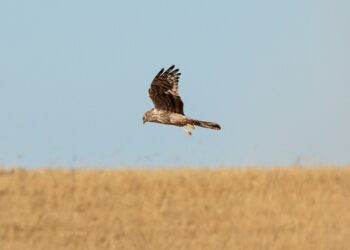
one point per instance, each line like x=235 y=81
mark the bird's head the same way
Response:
x=145 y=117
x=148 y=116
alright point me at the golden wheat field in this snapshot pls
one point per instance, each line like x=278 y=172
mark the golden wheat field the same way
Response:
x=180 y=208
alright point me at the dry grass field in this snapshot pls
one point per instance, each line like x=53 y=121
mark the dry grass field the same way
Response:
x=164 y=209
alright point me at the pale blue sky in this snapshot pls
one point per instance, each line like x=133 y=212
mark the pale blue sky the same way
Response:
x=74 y=77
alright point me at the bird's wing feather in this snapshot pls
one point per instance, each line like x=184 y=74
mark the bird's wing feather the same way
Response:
x=164 y=91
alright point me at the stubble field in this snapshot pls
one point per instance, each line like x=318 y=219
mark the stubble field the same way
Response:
x=180 y=208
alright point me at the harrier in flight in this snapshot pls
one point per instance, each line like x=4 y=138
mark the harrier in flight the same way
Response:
x=168 y=106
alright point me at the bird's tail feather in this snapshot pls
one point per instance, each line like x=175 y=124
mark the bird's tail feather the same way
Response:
x=204 y=124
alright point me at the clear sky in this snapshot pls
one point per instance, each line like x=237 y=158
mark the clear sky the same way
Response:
x=74 y=77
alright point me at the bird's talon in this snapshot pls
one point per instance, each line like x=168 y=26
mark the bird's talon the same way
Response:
x=188 y=131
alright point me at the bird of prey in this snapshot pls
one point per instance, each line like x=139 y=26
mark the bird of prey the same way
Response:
x=168 y=106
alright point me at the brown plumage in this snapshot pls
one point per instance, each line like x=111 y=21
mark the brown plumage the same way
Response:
x=168 y=106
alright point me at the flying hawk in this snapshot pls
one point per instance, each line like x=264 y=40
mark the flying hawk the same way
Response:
x=168 y=106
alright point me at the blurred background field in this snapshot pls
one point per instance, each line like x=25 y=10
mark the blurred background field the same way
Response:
x=180 y=208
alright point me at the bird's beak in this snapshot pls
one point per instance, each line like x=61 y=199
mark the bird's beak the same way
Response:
x=143 y=121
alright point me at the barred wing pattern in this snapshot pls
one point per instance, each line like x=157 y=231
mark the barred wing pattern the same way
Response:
x=164 y=91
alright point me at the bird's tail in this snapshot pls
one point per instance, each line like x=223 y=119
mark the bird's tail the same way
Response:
x=204 y=124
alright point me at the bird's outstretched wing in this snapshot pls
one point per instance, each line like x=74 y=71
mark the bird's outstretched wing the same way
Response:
x=164 y=91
